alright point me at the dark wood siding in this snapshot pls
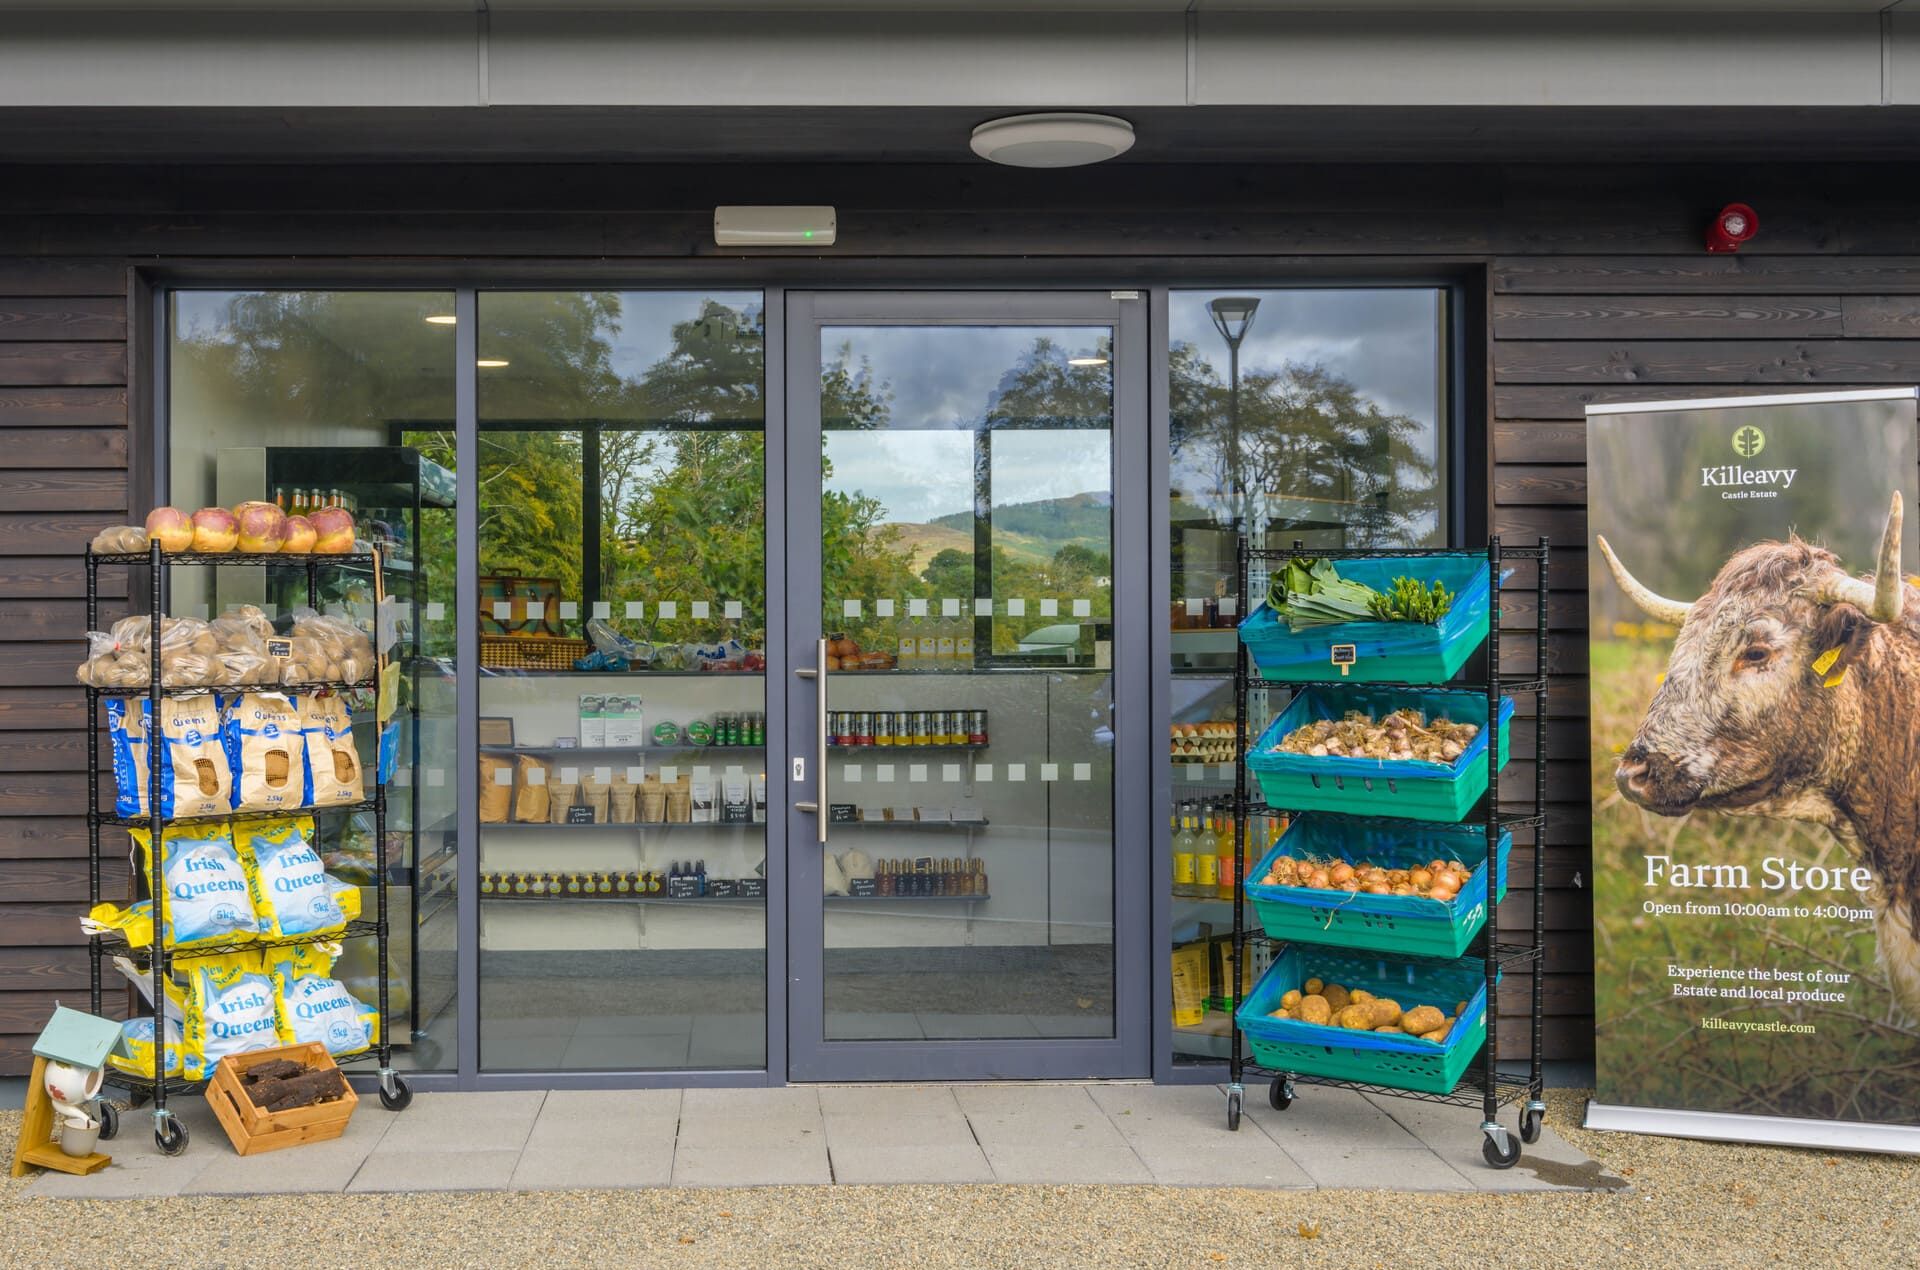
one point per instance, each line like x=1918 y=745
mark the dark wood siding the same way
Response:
x=1591 y=279
x=63 y=474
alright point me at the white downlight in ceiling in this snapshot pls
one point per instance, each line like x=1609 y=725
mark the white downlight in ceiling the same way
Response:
x=1052 y=140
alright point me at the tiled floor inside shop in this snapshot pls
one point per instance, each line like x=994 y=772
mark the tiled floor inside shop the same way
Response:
x=848 y=1134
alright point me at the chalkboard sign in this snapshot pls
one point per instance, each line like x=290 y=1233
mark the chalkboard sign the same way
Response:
x=752 y=888
x=579 y=814
x=843 y=813
x=861 y=888
x=721 y=888
x=683 y=888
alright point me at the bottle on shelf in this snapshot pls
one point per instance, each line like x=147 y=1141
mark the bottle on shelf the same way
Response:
x=963 y=644
x=927 y=654
x=1223 y=846
x=700 y=877
x=1206 y=863
x=1185 y=848
x=946 y=644
x=486 y=884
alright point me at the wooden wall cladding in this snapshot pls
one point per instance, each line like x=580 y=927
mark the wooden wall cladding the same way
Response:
x=63 y=475
x=1592 y=279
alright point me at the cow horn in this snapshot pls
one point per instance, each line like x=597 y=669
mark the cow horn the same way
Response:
x=1883 y=598
x=1673 y=612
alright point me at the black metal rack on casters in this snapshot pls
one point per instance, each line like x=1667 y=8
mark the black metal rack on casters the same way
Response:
x=1483 y=1085
x=168 y=1131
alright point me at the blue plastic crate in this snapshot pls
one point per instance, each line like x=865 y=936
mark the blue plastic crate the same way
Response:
x=1384 y=923
x=1377 y=787
x=1396 y=652
x=1375 y=1058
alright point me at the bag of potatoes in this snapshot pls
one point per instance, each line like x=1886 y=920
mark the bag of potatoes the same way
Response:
x=560 y=797
x=334 y=775
x=496 y=788
x=267 y=748
x=530 y=803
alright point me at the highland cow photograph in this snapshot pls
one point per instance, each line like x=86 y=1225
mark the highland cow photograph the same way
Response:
x=1755 y=722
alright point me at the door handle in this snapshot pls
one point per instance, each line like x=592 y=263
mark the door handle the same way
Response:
x=818 y=673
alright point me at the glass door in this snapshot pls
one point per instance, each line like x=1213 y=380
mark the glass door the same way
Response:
x=963 y=902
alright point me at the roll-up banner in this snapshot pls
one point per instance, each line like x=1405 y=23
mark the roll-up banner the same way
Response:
x=1755 y=731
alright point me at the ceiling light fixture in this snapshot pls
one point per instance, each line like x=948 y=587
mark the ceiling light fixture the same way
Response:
x=1086 y=361
x=491 y=363
x=1052 y=140
x=442 y=319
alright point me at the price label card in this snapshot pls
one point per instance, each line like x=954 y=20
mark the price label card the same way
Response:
x=668 y=775
x=436 y=777
x=949 y=608
x=1226 y=771
x=636 y=609
x=701 y=610
x=403 y=776
x=883 y=608
x=1016 y=771
x=503 y=776
x=604 y=775
x=849 y=608
x=502 y=611
x=949 y=771
x=273 y=610
x=1196 y=606
x=569 y=776
x=635 y=775
x=983 y=772
x=536 y=610
x=733 y=610
x=916 y=771
x=1049 y=771
x=1016 y=608
x=734 y=770
x=536 y=776
x=1083 y=608
x=1229 y=605
x=1196 y=771
x=569 y=610
x=1083 y=771
x=669 y=609
x=883 y=772
x=602 y=610
x=916 y=607
x=436 y=611
x=983 y=606
x=851 y=773
x=702 y=773
x=1049 y=608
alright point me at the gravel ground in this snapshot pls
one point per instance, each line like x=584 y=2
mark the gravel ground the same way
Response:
x=1691 y=1204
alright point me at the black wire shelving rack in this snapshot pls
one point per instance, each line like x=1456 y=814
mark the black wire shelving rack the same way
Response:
x=156 y=961
x=1483 y=1085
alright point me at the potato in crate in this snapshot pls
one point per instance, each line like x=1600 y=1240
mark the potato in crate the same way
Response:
x=1382 y=885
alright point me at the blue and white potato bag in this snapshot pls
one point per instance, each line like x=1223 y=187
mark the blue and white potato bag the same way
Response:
x=267 y=749
x=317 y=1007
x=133 y=1053
x=196 y=776
x=232 y=1008
x=208 y=897
x=291 y=892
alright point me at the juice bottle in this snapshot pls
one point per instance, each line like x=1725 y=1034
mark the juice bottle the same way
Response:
x=1223 y=845
x=1185 y=844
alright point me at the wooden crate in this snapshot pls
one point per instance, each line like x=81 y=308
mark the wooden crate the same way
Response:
x=253 y=1130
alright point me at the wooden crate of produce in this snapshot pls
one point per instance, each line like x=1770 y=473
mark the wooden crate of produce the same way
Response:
x=253 y=1129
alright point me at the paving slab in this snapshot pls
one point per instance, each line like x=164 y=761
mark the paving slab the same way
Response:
x=317 y=1167
x=1381 y=1168
x=1453 y=1134
x=134 y=1174
x=879 y=1134
x=1048 y=1133
x=1181 y=1135
x=464 y=1122
x=469 y=1170
x=1320 y=1118
x=751 y=1137
x=593 y=1166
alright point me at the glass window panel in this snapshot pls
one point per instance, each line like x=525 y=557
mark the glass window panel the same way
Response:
x=623 y=624
x=1310 y=415
x=346 y=398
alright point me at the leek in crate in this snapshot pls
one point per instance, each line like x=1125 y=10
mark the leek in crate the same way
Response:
x=1427 y=778
x=1421 y=924
x=1456 y=989
x=1438 y=609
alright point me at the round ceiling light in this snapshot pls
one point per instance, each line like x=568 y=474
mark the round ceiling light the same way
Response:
x=1052 y=140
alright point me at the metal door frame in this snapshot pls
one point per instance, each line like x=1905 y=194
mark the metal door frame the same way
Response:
x=1129 y=1052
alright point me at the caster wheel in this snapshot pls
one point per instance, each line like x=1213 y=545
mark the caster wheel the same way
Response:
x=1279 y=1095
x=399 y=1099
x=1530 y=1121
x=109 y=1120
x=1233 y=1112
x=172 y=1139
x=1498 y=1159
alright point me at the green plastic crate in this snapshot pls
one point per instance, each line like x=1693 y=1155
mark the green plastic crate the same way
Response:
x=1384 y=652
x=1382 y=923
x=1374 y=1058
x=1377 y=787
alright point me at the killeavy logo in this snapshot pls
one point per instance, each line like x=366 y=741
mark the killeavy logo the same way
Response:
x=1753 y=482
x=1749 y=441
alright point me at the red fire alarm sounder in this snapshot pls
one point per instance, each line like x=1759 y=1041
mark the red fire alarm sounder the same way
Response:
x=1735 y=224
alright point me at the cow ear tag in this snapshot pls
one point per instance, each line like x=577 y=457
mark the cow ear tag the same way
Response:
x=1824 y=663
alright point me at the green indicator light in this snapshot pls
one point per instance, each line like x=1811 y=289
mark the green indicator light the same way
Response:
x=808 y=233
